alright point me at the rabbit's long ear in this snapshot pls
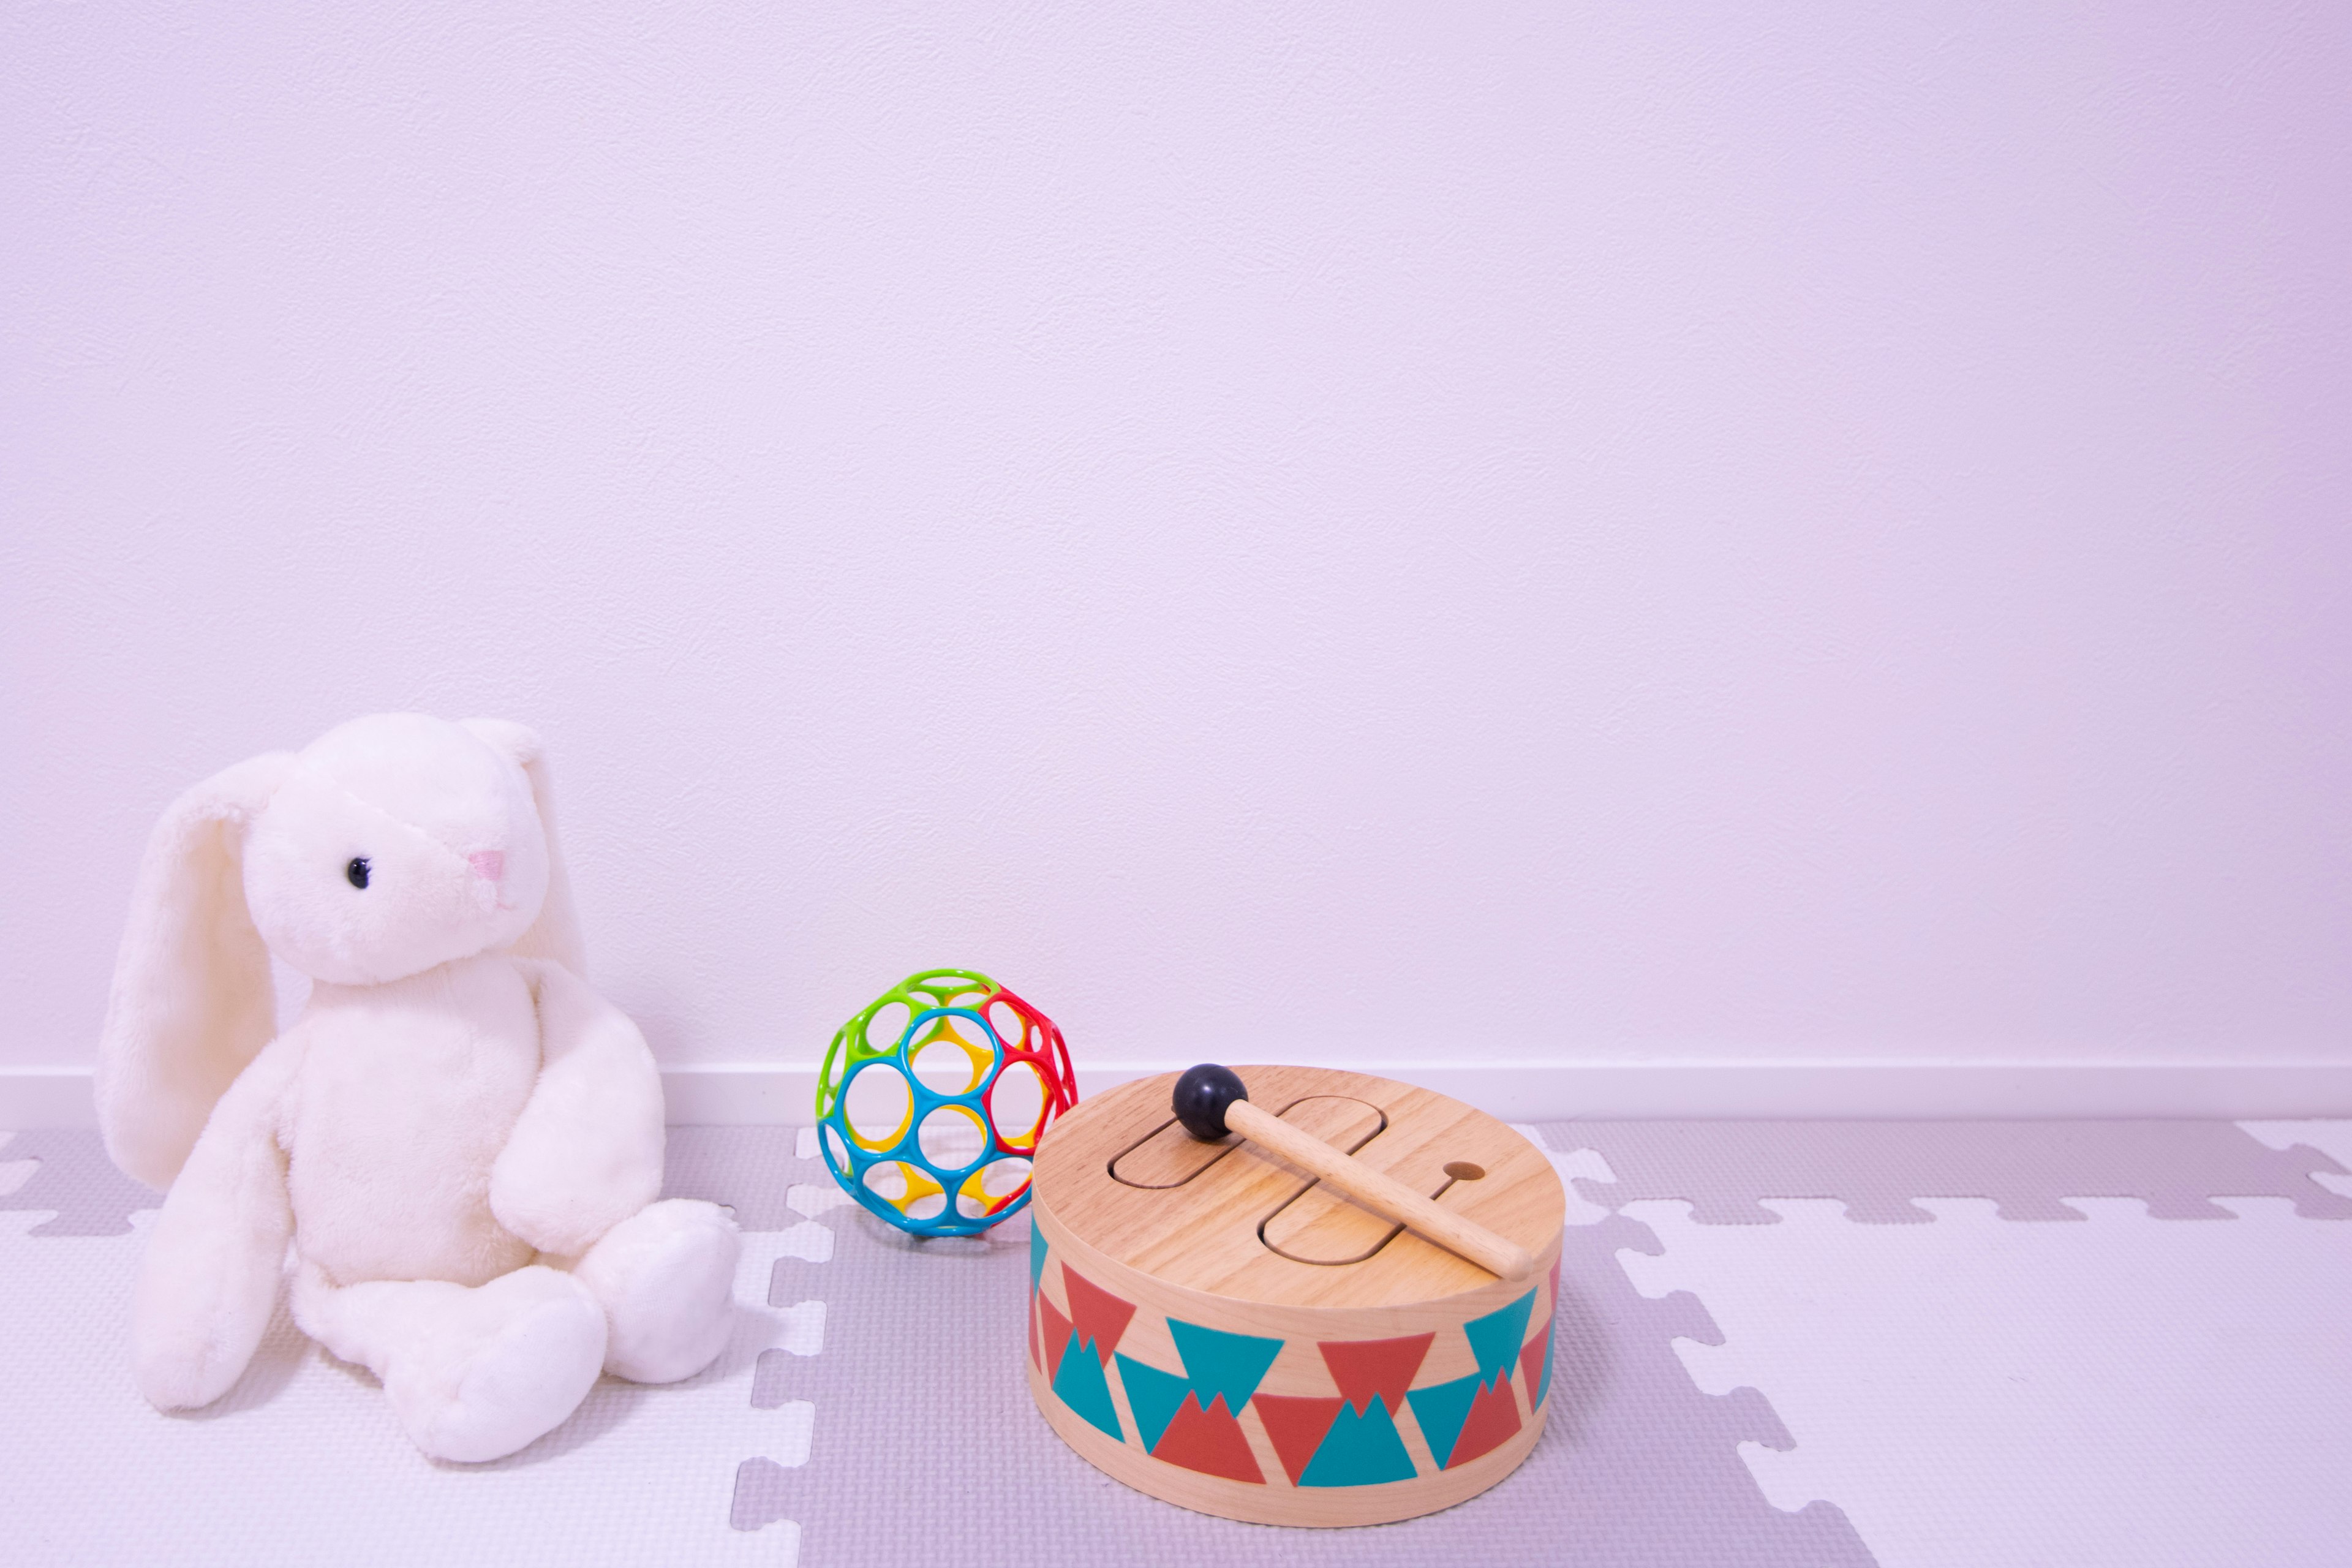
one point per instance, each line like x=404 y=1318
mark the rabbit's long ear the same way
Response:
x=556 y=932
x=192 y=1001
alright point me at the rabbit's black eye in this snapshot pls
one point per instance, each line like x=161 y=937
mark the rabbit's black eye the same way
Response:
x=357 y=872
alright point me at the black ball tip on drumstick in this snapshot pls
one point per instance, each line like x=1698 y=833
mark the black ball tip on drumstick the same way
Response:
x=1202 y=1096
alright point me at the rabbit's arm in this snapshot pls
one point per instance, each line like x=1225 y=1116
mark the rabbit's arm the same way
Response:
x=210 y=1276
x=587 y=1152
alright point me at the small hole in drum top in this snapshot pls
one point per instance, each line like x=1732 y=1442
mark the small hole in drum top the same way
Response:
x=1464 y=1171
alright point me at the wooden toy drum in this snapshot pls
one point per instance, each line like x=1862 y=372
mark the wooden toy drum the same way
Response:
x=1214 y=1326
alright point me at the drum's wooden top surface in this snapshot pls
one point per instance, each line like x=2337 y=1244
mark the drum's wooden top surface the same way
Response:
x=1238 y=1221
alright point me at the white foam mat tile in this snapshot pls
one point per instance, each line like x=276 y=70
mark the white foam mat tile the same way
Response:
x=303 y=1464
x=1979 y=1393
x=15 y=1173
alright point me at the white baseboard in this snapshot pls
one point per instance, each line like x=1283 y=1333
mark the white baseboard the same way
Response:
x=46 y=1097
x=752 y=1093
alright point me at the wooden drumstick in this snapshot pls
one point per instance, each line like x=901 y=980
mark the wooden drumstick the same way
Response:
x=1210 y=1100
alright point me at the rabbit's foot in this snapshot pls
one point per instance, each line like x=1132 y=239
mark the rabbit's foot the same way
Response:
x=476 y=1374
x=666 y=1277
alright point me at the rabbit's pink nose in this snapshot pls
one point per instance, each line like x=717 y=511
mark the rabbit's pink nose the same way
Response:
x=491 y=864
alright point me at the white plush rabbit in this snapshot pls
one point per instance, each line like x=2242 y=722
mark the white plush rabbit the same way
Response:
x=462 y=1142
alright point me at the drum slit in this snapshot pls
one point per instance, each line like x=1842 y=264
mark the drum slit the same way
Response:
x=1110 y=1167
x=1393 y=1230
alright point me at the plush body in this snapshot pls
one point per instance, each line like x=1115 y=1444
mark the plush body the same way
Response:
x=456 y=1150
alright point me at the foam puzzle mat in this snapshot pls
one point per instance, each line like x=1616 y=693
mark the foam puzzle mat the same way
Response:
x=1788 y=1344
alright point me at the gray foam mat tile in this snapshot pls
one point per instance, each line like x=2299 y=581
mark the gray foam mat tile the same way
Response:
x=927 y=1449
x=76 y=1179
x=1876 y=1168
x=748 y=1169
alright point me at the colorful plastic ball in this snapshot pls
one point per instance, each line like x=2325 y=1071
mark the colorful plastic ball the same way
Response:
x=944 y=1043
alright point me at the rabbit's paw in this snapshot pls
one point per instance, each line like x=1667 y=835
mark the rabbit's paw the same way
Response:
x=180 y=1366
x=497 y=1367
x=666 y=1276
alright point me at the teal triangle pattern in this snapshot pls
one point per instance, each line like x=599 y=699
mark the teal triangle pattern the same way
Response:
x=1036 y=1254
x=1440 y=1408
x=1221 y=1364
x=1152 y=1396
x=1362 y=1450
x=1543 y=1384
x=1495 y=1339
x=1080 y=1384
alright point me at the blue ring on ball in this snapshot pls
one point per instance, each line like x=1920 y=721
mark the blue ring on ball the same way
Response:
x=908 y=1148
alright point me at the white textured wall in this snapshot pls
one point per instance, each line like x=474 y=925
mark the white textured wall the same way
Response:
x=1521 y=534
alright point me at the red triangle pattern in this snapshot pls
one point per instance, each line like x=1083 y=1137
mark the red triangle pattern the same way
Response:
x=1101 y=1317
x=1209 y=1441
x=1298 y=1425
x=1035 y=1298
x=1365 y=1368
x=1057 y=1335
x=1494 y=1417
x=1531 y=1361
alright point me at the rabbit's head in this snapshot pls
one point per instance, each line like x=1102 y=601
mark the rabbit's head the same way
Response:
x=395 y=844
x=389 y=846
